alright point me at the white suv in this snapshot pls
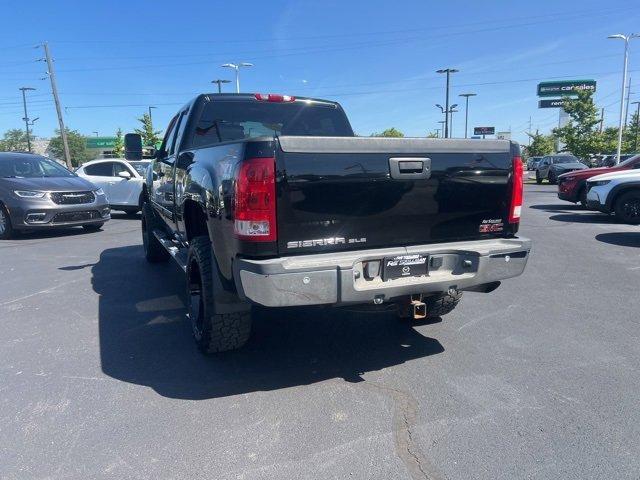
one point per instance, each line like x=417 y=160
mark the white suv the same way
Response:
x=120 y=179
x=617 y=193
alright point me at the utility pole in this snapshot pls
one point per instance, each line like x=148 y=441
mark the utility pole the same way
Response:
x=629 y=93
x=601 y=119
x=635 y=142
x=438 y=132
x=56 y=99
x=220 y=82
x=448 y=71
x=26 y=116
x=466 y=111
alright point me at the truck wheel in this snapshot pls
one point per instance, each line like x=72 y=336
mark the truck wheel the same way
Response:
x=439 y=305
x=538 y=178
x=154 y=252
x=212 y=332
x=627 y=208
x=6 y=230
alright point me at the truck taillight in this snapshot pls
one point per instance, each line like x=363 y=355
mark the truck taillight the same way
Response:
x=274 y=97
x=517 y=188
x=255 y=200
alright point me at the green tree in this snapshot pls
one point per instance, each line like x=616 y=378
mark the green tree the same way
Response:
x=149 y=136
x=118 y=147
x=433 y=135
x=581 y=135
x=14 y=140
x=389 y=132
x=77 y=147
x=540 y=146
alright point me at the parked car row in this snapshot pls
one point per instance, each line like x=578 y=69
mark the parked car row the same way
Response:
x=611 y=190
x=39 y=193
x=551 y=167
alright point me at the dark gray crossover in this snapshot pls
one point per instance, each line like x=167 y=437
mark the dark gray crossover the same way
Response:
x=39 y=193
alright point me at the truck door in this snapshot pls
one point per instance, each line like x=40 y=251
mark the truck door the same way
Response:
x=163 y=197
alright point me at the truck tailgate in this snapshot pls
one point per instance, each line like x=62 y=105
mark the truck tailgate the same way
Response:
x=341 y=193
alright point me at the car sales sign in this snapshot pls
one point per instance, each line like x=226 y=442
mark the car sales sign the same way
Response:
x=568 y=87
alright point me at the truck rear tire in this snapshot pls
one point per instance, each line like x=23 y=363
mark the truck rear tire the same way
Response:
x=213 y=332
x=154 y=252
x=439 y=305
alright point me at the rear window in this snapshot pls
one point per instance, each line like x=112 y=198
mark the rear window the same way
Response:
x=564 y=159
x=223 y=121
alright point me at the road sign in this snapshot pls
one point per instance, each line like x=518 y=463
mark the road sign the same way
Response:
x=484 y=130
x=554 y=103
x=567 y=87
x=101 y=142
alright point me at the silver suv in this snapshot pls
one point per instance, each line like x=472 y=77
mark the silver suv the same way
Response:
x=38 y=193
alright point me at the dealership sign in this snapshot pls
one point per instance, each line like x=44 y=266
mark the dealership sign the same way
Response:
x=484 y=130
x=553 y=103
x=568 y=87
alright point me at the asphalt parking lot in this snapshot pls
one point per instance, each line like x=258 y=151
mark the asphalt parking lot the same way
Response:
x=99 y=377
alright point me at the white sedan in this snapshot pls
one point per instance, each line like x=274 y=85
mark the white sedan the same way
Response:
x=120 y=179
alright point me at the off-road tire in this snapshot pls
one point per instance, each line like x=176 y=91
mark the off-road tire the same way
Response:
x=212 y=332
x=94 y=227
x=154 y=252
x=439 y=305
x=8 y=228
x=538 y=179
x=627 y=207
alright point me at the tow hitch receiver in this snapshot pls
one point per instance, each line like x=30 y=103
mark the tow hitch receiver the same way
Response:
x=413 y=307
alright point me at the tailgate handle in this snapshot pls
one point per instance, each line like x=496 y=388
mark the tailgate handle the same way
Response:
x=410 y=168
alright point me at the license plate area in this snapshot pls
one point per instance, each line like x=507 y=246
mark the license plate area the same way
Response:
x=402 y=266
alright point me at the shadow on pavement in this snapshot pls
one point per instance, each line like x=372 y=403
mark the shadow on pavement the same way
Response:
x=50 y=233
x=622 y=239
x=561 y=207
x=584 y=218
x=145 y=338
x=125 y=216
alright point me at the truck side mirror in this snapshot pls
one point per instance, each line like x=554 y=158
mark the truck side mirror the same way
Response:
x=133 y=146
x=184 y=160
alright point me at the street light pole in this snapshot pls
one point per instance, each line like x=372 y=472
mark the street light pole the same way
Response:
x=635 y=142
x=220 y=82
x=466 y=110
x=448 y=71
x=26 y=117
x=237 y=67
x=150 y=117
x=627 y=39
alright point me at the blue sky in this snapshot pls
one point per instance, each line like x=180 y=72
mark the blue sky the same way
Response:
x=377 y=58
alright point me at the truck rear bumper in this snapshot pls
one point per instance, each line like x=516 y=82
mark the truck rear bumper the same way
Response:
x=339 y=278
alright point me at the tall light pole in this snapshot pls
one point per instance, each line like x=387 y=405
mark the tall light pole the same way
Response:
x=448 y=71
x=466 y=110
x=635 y=142
x=95 y=133
x=237 y=67
x=627 y=39
x=26 y=117
x=220 y=82
x=452 y=110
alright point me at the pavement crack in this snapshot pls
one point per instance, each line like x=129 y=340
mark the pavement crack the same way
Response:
x=404 y=420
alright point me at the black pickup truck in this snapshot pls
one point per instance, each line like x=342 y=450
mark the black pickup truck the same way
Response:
x=272 y=200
